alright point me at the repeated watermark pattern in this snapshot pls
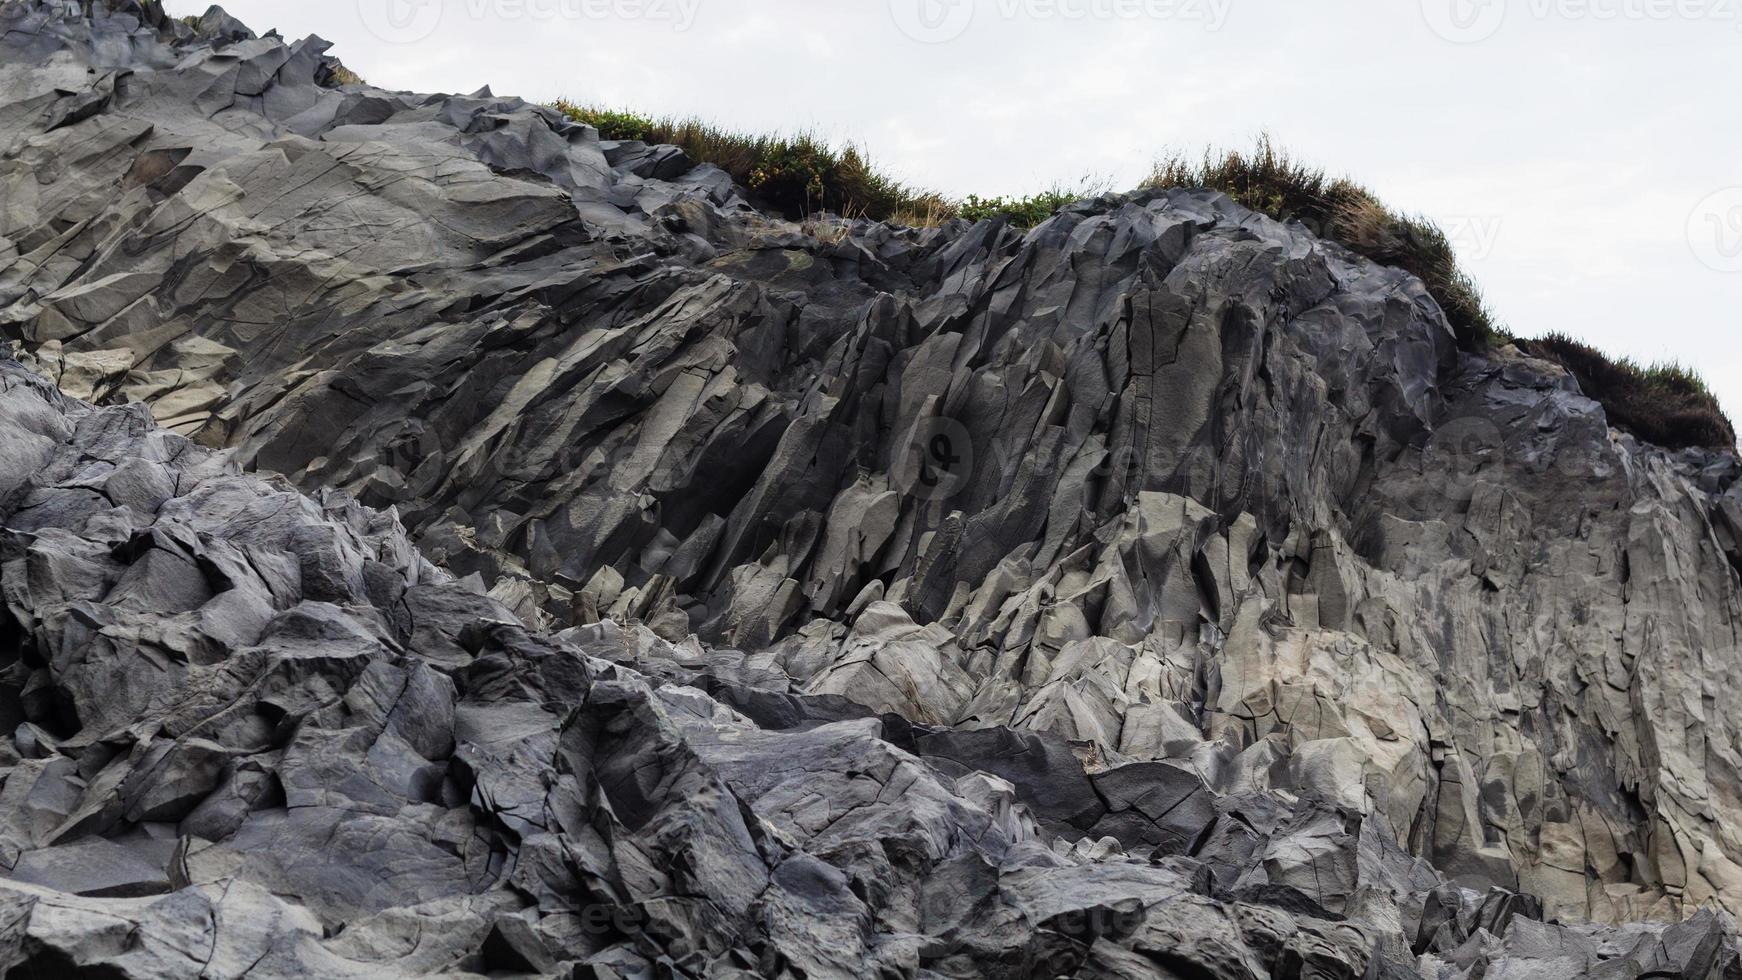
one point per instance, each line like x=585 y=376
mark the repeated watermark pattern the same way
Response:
x=935 y=461
x=939 y=21
x=411 y=21
x=611 y=920
x=1471 y=21
x=1465 y=21
x=1473 y=237
x=1715 y=230
x=1462 y=453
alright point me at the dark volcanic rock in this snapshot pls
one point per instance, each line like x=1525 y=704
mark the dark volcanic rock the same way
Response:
x=256 y=780
x=1156 y=804
x=656 y=588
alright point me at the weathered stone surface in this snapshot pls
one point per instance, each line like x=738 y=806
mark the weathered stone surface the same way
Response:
x=1156 y=592
x=335 y=788
x=98 y=868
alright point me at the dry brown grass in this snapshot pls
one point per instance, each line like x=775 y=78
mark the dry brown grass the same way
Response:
x=340 y=75
x=926 y=212
x=802 y=174
x=1664 y=403
x=798 y=175
x=1271 y=182
x=805 y=178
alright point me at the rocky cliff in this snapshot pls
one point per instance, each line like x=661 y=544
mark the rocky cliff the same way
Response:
x=459 y=544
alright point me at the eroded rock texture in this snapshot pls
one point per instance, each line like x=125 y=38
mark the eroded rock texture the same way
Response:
x=684 y=590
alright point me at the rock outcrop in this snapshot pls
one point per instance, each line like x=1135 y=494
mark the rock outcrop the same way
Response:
x=654 y=587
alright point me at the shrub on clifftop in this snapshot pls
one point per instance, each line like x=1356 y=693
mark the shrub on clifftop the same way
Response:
x=1666 y=404
x=797 y=175
x=802 y=175
x=1271 y=182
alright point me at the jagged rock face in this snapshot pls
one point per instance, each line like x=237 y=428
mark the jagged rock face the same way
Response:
x=1162 y=526
x=256 y=734
x=260 y=733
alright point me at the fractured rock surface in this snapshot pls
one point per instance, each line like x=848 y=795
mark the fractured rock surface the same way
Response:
x=662 y=586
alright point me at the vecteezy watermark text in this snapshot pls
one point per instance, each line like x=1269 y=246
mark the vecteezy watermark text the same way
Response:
x=1473 y=236
x=409 y=21
x=1730 y=10
x=1469 y=21
x=937 y=21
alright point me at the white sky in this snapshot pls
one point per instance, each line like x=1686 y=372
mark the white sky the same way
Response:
x=1583 y=153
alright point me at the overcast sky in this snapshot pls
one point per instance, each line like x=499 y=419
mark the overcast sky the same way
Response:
x=1584 y=154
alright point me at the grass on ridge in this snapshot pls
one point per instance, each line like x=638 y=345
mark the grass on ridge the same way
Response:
x=1025 y=212
x=798 y=175
x=1271 y=182
x=802 y=174
x=1664 y=403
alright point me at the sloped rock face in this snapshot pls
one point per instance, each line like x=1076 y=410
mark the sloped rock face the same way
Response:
x=256 y=734
x=1155 y=592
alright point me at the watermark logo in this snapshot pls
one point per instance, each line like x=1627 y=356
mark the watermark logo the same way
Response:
x=410 y=21
x=407 y=468
x=612 y=920
x=1473 y=237
x=932 y=21
x=1715 y=230
x=937 y=21
x=1464 y=453
x=1464 y=21
x=400 y=21
x=935 y=461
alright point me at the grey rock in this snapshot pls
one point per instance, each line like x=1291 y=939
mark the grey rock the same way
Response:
x=1045 y=772
x=651 y=586
x=97 y=868
x=1156 y=804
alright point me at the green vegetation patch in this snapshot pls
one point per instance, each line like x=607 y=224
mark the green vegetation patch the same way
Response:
x=1025 y=212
